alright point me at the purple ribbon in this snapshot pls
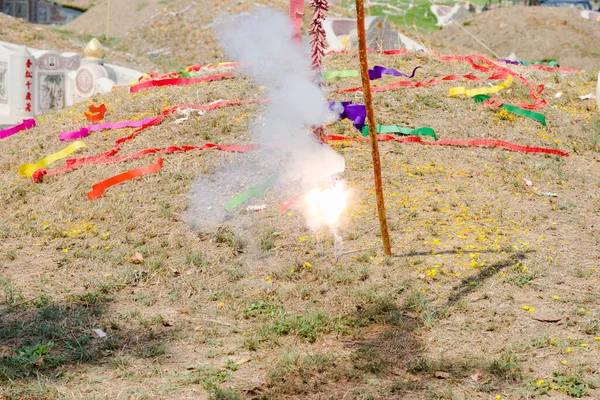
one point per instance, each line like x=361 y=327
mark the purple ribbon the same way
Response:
x=85 y=131
x=378 y=70
x=506 y=60
x=357 y=113
x=23 y=126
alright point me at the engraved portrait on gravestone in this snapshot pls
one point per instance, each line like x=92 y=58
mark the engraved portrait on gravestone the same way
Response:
x=52 y=91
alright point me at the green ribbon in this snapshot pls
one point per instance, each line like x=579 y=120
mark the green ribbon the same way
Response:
x=249 y=194
x=340 y=74
x=185 y=74
x=551 y=63
x=423 y=131
x=480 y=98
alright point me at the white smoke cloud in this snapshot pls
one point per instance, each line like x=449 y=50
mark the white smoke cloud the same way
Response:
x=262 y=41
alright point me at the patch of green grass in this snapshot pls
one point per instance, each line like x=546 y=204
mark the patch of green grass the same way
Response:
x=309 y=327
x=49 y=337
x=367 y=359
x=522 y=280
x=505 y=368
x=226 y=394
x=303 y=373
x=266 y=240
x=197 y=260
x=573 y=384
x=456 y=368
x=210 y=378
x=151 y=350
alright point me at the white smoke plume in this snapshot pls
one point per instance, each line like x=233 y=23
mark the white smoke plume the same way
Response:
x=263 y=40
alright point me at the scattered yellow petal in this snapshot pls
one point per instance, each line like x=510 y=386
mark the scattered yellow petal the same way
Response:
x=528 y=309
x=564 y=362
x=556 y=297
x=540 y=382
x=569 y=350
x=307 y=265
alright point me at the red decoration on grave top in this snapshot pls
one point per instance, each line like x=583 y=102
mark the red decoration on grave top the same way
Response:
x=96 y=114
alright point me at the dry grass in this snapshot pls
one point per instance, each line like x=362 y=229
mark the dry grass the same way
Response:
x=241 y=312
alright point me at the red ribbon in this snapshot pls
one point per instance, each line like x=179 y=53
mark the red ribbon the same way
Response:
x=458 y=142
x=177 y=82
x=99 y=188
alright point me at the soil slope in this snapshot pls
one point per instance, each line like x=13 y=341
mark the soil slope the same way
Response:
x=533 y=33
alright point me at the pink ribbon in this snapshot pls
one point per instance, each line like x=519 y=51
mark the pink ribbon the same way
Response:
x=23 y=126
x=85 y=131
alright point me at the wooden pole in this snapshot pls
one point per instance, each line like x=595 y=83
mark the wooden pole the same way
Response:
x=364 y=73
x=107 y=19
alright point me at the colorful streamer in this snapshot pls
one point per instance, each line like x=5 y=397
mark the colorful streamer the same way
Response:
x=378 y=71
x=457 y=142
x=488 y=101
x=28 y=169
x=423 y=131
x=455 y=91
x=348 y=73
x=249 y=194
x=99 y=188
x=177 y=82
x=108 y=156
x=85 y=131
x=23 y=126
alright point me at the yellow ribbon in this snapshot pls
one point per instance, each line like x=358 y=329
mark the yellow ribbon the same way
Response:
x=28 y=169
x=455 y=91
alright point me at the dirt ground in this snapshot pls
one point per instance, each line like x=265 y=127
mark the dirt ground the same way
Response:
x=490 y=294
x=532 y=33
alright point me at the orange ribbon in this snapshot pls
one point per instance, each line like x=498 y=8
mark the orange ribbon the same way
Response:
x=99 y=188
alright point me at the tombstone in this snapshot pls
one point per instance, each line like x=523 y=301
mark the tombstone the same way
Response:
x=16 y=85
x=341 y=34
x=53 y=89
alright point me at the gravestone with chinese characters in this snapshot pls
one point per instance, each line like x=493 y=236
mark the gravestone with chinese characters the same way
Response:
x=16 y=85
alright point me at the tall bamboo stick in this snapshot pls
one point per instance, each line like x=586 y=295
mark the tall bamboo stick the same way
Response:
x=107 y=20
x=364 y=73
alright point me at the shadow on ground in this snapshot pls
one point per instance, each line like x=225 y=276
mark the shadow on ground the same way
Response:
x=41 y=339
x=394 y=347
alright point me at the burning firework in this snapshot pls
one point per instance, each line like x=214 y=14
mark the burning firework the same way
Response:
x=324 y=206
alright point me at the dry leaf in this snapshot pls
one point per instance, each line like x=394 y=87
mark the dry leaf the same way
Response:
x=137 y=258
